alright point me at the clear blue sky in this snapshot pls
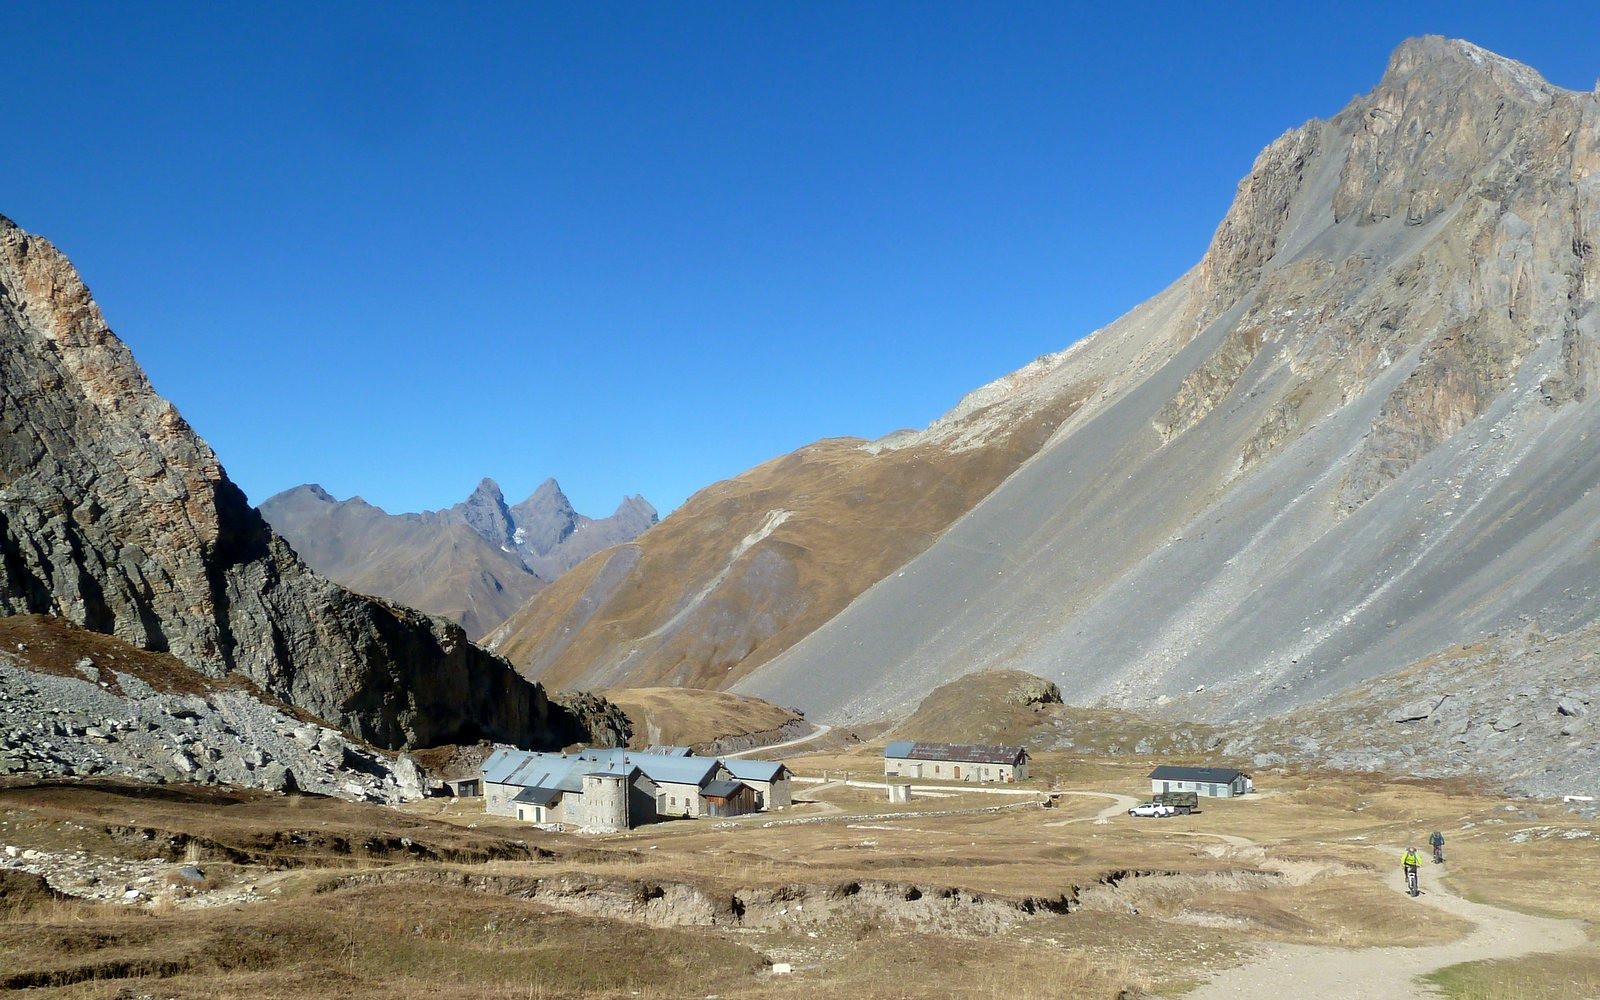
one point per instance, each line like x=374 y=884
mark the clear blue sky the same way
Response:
x=394 y=248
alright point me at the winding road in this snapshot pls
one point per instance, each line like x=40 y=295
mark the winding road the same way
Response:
x=1283 y=970
x=822 y=730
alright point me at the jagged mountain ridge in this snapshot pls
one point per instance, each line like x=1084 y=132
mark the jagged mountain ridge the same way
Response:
x=1358 y=432
x=475 y=562
x=115 y=515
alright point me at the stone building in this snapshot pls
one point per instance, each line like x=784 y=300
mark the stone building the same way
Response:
x=608 y=790
x=770 y=780
x=954 y=761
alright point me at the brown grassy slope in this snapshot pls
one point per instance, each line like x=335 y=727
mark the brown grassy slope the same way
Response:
x=691 y=605
x=229 y=825
x=389 y=942
x=689 y=717
x=49 y=645
x=992 y=706
x=1006 y=707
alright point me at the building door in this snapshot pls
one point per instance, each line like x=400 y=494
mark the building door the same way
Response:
x=1166 y=786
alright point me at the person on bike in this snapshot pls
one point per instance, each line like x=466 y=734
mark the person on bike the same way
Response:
x=1410 y=862
x=1437 y=842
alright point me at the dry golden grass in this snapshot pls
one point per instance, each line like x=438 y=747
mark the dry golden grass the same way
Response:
x=1161 y=901
x=378 y=942
x=690 y=718
x=1562 y=976
x=187 y=823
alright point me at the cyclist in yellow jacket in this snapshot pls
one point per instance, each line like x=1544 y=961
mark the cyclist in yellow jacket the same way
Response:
x=1410 y=862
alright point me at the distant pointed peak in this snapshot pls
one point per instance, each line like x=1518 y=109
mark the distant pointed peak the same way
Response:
x=312 y=490
x=637 y=504
x=487 y=493
x=549 y=496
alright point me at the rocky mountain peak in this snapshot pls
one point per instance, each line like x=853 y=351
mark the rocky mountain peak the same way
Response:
x=485 y=512
x=310 y=493
x=1437 y=59
x=116 y=516
x=637 y=510
x=544 y=520
x=548 y=492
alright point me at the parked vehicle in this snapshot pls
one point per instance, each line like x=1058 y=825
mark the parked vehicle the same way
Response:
x=1156 y=809
x=1183 y=803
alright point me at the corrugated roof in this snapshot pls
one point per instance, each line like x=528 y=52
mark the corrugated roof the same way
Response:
x=666 y=750
x=1211 y=775
x=722 y=789
x=955 y=753
x=753 y=770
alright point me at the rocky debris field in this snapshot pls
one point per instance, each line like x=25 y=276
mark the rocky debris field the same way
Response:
x=105 y=722
x=1522 y=710
x=128 y=881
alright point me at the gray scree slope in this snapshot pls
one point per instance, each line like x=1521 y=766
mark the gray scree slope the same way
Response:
x=1362 y=429
x=115 y=515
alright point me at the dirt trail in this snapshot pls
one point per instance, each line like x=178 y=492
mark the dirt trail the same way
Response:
x=1390 y=973
x=1121 y=805
x=820 y=731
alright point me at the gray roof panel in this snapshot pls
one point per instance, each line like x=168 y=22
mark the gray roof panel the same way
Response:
x=955 y=753
x=1210 y=775
x=754 y=770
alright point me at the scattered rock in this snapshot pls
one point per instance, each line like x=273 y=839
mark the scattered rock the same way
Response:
x=1418 y=710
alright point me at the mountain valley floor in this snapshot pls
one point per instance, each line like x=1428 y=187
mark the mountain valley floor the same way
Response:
x=1043 y=889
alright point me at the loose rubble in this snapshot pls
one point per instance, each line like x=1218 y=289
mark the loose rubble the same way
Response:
x=113 y=724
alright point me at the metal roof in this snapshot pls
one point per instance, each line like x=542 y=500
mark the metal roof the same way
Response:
x=538 y=796
x=533 y=770
x=1211 y=775
x=754 y=770
x=955 y=753
x=720 y=789
x=676 y=770
x=666 y=750
x=565 y=772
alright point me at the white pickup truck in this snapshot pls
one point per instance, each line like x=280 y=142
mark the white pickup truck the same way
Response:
x=1152 y=809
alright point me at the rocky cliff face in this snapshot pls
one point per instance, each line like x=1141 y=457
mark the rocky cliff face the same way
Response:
x=475 y=562
x=1358 y=432
x=115 y=515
